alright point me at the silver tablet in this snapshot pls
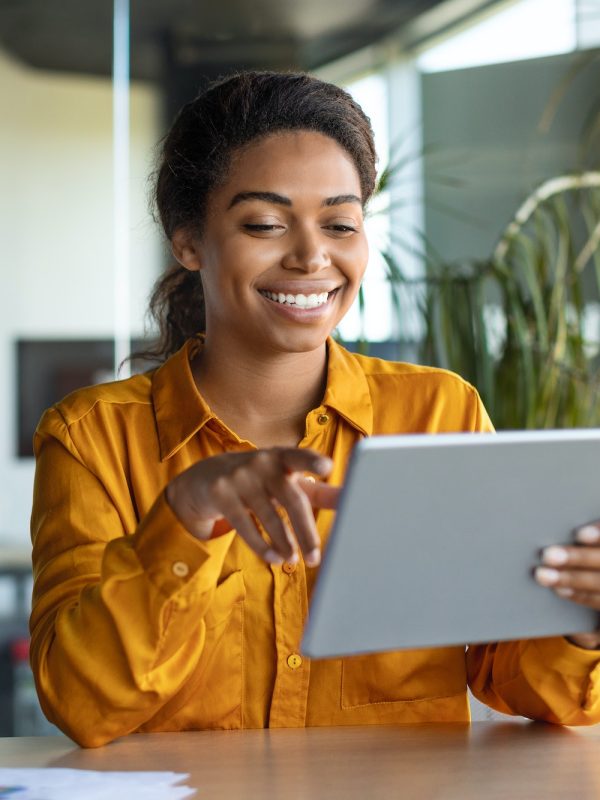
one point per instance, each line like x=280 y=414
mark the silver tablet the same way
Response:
x=437 y=535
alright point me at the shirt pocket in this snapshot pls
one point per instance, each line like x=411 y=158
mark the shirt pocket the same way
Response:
x=213 y=695
x=400 y=677
x=221 y=667
x=229 y=596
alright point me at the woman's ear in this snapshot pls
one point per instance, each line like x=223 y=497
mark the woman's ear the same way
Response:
x=186 y=249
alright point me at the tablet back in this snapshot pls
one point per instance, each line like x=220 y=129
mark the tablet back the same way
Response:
x=436 y=537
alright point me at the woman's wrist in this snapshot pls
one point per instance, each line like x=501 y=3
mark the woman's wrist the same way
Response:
x=587 y=641
x=201 y=530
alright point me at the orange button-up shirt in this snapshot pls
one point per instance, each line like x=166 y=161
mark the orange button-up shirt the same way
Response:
x=138 y=626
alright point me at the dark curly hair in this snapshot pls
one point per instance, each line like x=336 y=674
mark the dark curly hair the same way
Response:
x=196 y=154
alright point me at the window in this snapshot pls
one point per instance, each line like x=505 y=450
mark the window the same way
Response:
x=370 y=92
x=519 y=30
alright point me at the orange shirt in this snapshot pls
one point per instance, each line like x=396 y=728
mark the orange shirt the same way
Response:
x=138 y=626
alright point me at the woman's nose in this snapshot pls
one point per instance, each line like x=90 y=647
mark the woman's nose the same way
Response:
x=306 y=253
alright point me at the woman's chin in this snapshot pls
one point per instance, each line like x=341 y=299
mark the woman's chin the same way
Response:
x=299 y=341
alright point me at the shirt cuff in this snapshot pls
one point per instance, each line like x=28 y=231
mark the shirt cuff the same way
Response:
x=172 y=557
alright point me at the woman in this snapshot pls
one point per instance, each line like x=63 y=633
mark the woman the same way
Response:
x=177 y=522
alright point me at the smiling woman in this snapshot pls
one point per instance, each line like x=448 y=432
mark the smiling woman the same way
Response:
x=287 y=220
x=179 y=516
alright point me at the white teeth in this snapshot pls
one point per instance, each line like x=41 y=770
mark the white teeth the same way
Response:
x=300 y=300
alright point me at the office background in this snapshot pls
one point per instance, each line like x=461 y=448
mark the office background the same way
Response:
x=479 y=101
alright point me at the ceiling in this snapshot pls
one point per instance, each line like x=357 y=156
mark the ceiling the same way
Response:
x=180 y=44
x=204 y=36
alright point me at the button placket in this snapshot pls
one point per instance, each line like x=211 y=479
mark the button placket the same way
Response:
x=290 y=692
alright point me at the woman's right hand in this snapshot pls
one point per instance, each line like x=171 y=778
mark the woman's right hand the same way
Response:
x=261 y=484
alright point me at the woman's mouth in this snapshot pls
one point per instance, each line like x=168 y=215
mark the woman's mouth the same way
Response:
x=299 y=301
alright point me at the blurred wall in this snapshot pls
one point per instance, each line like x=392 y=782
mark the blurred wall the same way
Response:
x=56 y=236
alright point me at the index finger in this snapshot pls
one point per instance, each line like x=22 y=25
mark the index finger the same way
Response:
x=298 y=459
x=321 y=495
x=563 y=556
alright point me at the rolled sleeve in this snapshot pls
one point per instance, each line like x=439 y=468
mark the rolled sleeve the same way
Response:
x=546 y=679
x=172 y=558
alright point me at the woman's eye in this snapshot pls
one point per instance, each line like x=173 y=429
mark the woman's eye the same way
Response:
x=339 y=228
x=261 y=227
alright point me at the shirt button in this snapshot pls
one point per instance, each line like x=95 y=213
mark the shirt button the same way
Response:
x=288 y=568
x=181 y=569
x=294 y=661
x=323 y=419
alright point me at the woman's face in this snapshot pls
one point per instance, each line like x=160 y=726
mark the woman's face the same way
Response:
x=283 y=249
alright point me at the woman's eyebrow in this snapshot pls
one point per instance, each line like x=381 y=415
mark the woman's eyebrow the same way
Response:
x=340 y=199
x=279 y=199
x=268 y=197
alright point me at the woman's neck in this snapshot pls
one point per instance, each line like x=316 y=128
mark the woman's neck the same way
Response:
x=262 y=399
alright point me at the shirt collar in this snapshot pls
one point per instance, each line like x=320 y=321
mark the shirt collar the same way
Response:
x=347 y=388
x=181 y=411
x=179 y=408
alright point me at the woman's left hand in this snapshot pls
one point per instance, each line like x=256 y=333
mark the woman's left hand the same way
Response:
x=573 y=572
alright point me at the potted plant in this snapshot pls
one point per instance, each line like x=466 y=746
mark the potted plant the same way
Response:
x=524 y=325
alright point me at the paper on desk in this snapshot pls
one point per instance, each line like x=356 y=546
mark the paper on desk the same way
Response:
x=76 y=784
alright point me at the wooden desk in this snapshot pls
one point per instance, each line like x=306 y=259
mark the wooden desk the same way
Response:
x=491 y=760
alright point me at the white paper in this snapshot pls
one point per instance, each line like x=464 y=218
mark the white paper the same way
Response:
x=80 y=784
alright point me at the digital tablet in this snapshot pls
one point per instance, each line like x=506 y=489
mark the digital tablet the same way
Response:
x=436 y=537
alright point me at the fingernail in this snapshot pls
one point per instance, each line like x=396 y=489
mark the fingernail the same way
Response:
x=587 y=535
x=564 y=591
x=293 y=559
x=547 y=577
x=323 y=464
x=272 y=557
x=313 y=558
x=557 y=556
